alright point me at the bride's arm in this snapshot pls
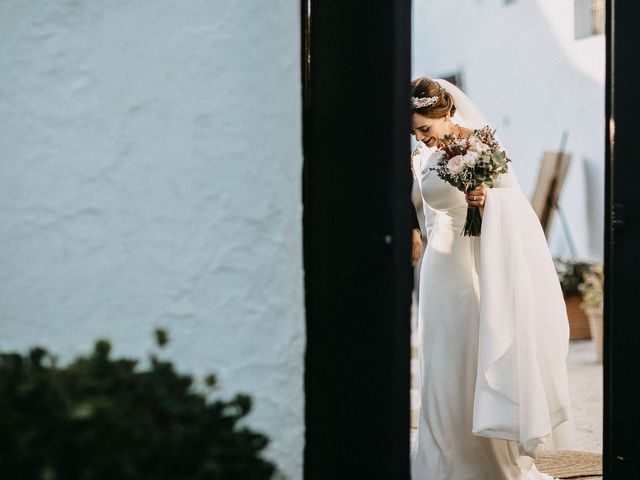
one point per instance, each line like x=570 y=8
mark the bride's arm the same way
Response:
x=416 y=237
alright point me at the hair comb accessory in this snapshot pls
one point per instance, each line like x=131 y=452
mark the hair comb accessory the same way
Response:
x=421 y=102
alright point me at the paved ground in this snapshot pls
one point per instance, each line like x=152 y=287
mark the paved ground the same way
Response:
x=585 y=384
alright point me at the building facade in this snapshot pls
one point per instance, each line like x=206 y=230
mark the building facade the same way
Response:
x=151 y=177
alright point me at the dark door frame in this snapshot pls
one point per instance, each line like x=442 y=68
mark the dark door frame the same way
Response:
x=622 y=244
x=356 y=240
x=357 y=227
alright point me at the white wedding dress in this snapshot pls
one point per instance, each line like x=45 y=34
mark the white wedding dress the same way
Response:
x=493 y=337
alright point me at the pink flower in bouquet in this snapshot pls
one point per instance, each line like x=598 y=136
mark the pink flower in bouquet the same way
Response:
x=456 y=164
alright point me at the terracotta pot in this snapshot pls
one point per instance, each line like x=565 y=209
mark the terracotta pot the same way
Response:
x=597 y=329
x=578 y=320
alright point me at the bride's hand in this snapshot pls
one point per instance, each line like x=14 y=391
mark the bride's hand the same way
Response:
x=476 y=197
x=416 y=246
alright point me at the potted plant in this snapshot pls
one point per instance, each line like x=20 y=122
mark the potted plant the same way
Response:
x=570 y=274
x=104 y=418
x=591 y=288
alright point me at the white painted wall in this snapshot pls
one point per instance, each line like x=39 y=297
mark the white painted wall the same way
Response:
x=151 y=176
x=521 y=65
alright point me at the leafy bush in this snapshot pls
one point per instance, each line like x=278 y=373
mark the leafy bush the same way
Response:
x=570 y=273
x=100 y=418
x=591 y=287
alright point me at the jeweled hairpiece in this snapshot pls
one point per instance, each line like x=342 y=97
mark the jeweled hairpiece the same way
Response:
x=421 y=102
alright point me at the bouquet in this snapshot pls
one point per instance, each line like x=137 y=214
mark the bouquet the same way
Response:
x=467 y=163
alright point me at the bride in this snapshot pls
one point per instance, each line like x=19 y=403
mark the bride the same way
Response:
x=492 y=325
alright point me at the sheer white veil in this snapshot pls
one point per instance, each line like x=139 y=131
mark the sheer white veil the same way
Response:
x=467 y=112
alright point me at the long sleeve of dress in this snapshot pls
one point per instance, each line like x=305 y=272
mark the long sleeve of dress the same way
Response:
x=521 y=384
x=424 y=214
x=414 y=217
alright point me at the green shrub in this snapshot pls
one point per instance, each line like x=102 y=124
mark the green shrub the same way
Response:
x=592 y=287
x=100 y=418
x=570 y=274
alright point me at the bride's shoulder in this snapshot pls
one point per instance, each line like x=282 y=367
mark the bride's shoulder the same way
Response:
x=420 y=158
x=414 y=160
x=421 y=151
x=417 y=150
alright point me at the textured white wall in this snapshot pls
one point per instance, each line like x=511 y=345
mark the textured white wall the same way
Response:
x=151 y=176
x=532 y=80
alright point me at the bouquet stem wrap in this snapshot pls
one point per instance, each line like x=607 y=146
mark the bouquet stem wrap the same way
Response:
x=473 y=224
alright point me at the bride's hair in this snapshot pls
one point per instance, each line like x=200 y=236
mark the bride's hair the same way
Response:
x=426 y=87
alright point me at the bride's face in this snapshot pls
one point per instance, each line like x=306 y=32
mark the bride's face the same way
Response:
x=429 y=130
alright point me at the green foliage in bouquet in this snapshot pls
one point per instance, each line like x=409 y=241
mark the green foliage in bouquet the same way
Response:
x=100 y=418
x=571 y=274
x=591 y=287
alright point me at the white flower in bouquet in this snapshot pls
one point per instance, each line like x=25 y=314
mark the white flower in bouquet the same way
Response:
x=470 y=158
x=456 y=164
